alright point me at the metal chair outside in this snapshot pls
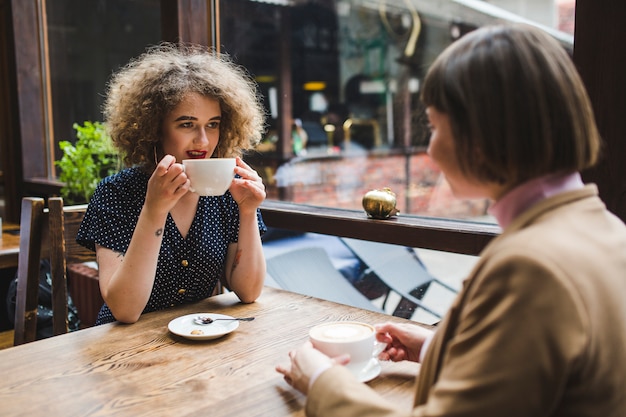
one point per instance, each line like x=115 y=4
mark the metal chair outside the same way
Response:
x=309 y=271
x=398 y=268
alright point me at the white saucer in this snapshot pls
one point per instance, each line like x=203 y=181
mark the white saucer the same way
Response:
x=371 y=371
x=184 y=325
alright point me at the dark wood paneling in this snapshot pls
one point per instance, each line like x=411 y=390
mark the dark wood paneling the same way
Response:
x=600 y=55
x=29 y=88
x=183 y=21
x=10 y=151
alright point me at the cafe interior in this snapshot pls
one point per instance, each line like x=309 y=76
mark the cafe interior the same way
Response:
x=340 y=80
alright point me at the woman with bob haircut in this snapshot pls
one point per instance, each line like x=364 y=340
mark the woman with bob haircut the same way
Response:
x=538 y=327
x=158 y=244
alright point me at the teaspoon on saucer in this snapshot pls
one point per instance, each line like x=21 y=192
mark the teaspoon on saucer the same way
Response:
x=209 y=320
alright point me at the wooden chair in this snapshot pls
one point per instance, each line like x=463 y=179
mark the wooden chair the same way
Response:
x=46 y=233
x=309 y=271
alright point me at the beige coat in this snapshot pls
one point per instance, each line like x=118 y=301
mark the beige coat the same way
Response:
x=539 y=328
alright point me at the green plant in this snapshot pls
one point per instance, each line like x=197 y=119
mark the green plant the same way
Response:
x=85 y=162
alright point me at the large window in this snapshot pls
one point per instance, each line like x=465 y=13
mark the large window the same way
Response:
x=341 y=81
x=345 y=72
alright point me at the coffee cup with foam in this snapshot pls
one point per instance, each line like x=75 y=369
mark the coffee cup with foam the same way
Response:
x=354 y=338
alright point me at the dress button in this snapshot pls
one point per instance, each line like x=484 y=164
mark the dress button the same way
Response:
x=182 y=291
x=185 y=262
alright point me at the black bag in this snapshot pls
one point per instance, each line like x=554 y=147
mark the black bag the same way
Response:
x=44 y=304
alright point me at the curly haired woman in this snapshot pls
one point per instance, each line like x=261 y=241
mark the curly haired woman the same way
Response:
x=158 y=244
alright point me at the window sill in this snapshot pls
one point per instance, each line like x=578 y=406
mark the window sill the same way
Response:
x=457 y=236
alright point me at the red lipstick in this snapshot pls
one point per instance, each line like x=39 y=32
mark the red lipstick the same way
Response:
x=196 y=154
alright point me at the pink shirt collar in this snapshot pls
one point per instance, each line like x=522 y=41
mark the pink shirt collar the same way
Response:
x=520 y=198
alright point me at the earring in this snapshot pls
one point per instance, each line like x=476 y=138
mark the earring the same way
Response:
x=156 y=161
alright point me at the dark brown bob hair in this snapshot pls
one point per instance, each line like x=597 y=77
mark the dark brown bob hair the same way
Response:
x=516 y=103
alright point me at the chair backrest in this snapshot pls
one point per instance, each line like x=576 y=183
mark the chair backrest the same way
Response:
x=45 y=233
x=31 y=237
x=309 y=271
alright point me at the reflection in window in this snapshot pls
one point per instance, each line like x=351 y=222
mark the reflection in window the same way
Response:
x=86 y=42
x=353 y=69
x=416 y=284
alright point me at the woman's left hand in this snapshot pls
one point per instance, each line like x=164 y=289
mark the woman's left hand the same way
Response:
x=306 y=361
x=249 y=190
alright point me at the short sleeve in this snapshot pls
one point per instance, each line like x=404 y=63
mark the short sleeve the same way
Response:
x=113 y=211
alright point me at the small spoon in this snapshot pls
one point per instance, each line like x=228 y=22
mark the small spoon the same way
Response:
x=209 y=320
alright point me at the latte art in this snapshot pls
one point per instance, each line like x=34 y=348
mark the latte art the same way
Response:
x=342 y=332
x=353 y=338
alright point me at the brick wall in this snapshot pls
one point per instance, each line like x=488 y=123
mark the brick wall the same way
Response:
x=342 y=180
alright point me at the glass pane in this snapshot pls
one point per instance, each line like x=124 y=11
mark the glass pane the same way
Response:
x=351 y=72
x=87 y=41
x=417 y=284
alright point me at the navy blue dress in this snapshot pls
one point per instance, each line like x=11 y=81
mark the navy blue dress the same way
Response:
x=188 y=269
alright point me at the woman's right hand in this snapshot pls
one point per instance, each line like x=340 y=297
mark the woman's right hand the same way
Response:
x=167 y=185
x=404 y=341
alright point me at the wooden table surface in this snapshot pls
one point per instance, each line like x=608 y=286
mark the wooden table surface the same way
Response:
x=9 y=245
x=143 y=369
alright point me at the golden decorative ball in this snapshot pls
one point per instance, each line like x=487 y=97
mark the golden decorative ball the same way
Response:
x=380 y=204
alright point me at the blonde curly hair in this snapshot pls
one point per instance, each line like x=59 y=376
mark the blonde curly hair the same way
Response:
x=143 y=92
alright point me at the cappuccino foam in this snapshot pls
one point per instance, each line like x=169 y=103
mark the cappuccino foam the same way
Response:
x=341 y=332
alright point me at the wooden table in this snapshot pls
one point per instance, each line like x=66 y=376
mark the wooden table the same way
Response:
x=9 y=245
x=143 y=369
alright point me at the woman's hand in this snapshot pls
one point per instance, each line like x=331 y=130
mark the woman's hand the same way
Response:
x=404 y=341
x=167 y=185
x=305 y=362
x=248 y=191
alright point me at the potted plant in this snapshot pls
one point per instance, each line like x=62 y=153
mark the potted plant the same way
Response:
x=85 y=162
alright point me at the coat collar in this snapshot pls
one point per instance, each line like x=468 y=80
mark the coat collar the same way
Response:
x=544 y=206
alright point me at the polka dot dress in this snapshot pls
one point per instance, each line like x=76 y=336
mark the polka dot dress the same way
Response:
x=188 y=269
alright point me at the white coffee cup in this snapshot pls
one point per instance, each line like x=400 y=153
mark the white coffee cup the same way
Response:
x=211 y=176
x=352 y=337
